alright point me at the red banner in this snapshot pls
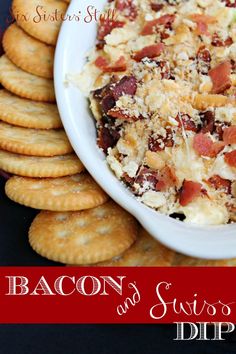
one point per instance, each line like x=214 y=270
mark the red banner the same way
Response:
x=117 y=295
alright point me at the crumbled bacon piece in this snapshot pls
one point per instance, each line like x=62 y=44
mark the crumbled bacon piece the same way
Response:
x=106 y=26
x=128 y=8
x=165 y=69
x=147 y=176
x=107 y=137
x=204 y=146
x=220 y=76
x=121 y=114
x=156 y=7
x=119 y=65
x=203 y=60
x=152 y=27
x=229 y=135
x=230 y=158
x=108 y=102
x=150 y=51
x=202 y=21
x=166 y=179
x=103 y=64
x=156 y=180
x=230 y=3
x=189 y=192
x=126 y=86
x=202 y=28
x=186 y=122
x=220 y=183
x=158 y=142
x=219 y=129
x=109 y=94
x=203 y=18
x=127 y=179
x=218 y=42
x=208 y=122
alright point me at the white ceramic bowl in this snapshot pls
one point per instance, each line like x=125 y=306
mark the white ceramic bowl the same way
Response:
x=76 y=38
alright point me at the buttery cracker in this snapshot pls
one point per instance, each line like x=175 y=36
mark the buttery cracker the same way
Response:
x=185 y=261
x=85 y=237
x=24 y=84
x=32 y=166
x=33 y=142
x=29 y=54
x=145 y=252
x=41 y=20
x=72 y=193
x=27 y=113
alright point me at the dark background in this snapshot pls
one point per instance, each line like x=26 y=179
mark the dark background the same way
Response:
x=69 y=339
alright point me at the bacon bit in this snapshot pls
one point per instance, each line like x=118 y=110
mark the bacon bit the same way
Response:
x=202 y=28
x=165 y=69
x=220 y=183
x=189 y=192
x=217 y=147
x=100 y=44
x=202 y=22
x=150 y=51
x=108 y=102
x=204 y=146
x=159 y=143
x=127 y=179
x=166 y=179
x=217 y=42
x=103 y=64
x=208 y=120
x=126 y=86
x=220 y=127
x=230 y=3
x=203 y=18
x=186 y=121
x=128 y=8
x=120 y=65
x=156 y=7
x=229 y=135
x=152 y=27
x=158 y=180
x=106 y=26
x=233 y=64
x=203 y=60
x=107 y=138
x=120 y=114
x=147 y=175
x=230 y=158
x=220 y=76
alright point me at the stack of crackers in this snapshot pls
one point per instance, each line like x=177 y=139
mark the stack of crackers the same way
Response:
x=78 y=224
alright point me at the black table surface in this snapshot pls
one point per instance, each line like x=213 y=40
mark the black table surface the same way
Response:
x=69 y=339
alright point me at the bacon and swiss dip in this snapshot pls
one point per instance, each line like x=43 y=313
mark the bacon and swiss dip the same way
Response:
x=162 y=85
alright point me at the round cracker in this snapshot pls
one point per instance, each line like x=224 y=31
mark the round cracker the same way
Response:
x=34 y=142
x=29 y=54
x=31 y=166
x=72 y=193
x=185 y=261
x=24 y=84
x=27 y=113
x=145 y=252
x=83 y=237
x=38 y=18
